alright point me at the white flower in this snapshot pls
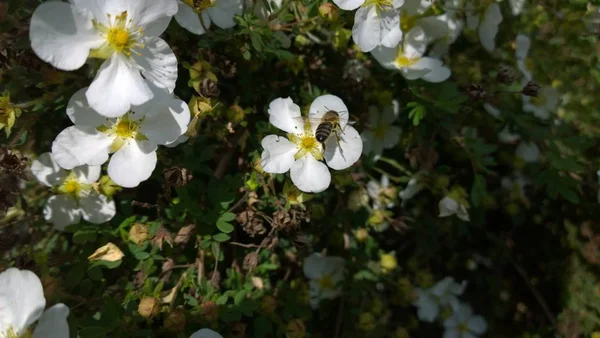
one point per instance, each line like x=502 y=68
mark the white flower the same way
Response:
x=506 y=136
x=523 y=44
x=528 y=151
x=463 y=324
x=377 y=23
x=205 y=333
x=381 y=133
x=300 y=152
x=443 y=293
x=449 y=206
x=381 y=193
x=124 y=32
x=133 y=137
x=454 y=27
x=544 y=105
x=408 y=58
x=196 y=16
x=260 y=8
x=325 y=275
x=76 y=197
x=22 y=303
x=412 y=188
x=516 y=6
x=486 y=20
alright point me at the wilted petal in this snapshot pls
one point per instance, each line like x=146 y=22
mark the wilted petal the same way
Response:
x=21 y=299
x=53 y=323
x=367 y=28
x=278 y=154
x=325 y=103
x=187 y=18
x=118 y=85
x=47 y=171
x=133 y=163
x=285 y=115
x=79 y=145
x=310 y=175
x=206 y=333
x=343 y=153
x=223 y=12
x=96 y=208
x=62 y=35
x=489 y=27
x=62 y=210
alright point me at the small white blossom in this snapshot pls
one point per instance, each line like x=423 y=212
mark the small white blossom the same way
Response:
x=412 y=188
x=325 y=275
x=408 y=58
x=381 y=193
x=528 y=152
x=131 y=138
x=381 y=133
x=443 y=294
x=124 y=33
x=486 y=20
x=506 y=136
x=205 y=333
x=76 y=197
x=377 y=23
x=463 y=324
x=449 y=206
x=197 y=16
x=300 y=152
x=22 y=303
x=544 y=105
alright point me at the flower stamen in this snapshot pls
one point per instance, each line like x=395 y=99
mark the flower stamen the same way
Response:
x=121 y=35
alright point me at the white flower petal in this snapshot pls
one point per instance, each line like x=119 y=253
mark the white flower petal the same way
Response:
x=348 y=5
x=150 y=15
x=181 y=139
x=314 y=266
x=433 y=27
x=448 y=207
x=344 y=154
x=495 y=112
x=21 y=299
x=472 y=19
x=53 y=323
x=506 y=136
x=310 y=175
x=452 y=333
x=430 y=69
x=523 y=44
x=366 y=31
x=187 y=18
x=462 y=213
x=80 y=112
x=158 y=65
x=223 y=12
x=79 y=145
x=489 y=27
x=415 y=43
x=427 y=307
x=412 y=188
x=96 y=208
x=206 y=333
x=47 y=171
x=278 y=154
x=62 y=210
x=415 y=7
x=392 y=136
x=87 y=173
x=133 y=163
x=285 y=115
x=516 y=6
x=386 y=56
x=62 y=35
x=369 y=143
x=528 y=151
x=118 y=85
x=390 y=32
x=325 y=103
x=167 y=125
x=477 y=324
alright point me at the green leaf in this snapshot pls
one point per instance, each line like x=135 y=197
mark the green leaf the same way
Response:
x=239 y=297
x=221 y=237
x=417 y=113
x=224 y=226
x=227 y=217
x=222 y=300
x=478 y=190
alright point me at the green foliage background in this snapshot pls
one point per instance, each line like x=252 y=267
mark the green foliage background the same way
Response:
x=224 y=250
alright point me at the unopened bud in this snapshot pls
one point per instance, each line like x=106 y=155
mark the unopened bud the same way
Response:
x=108 y=187
x=329 y=11
x=149 y=307
x=388 y=263
x=531 y=89
x=476 y=92
x=506 y=75
x=139 y=233
x=361 y=234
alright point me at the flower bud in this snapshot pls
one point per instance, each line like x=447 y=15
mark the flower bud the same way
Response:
x=531 y=89
x=139 y=233
x=329 y=11
x=175 y=321
x=301 y=41
x=361 y=234
x=149 y=307
x=357 y=199
x=388 y=263
x=506 y=75
x=108 y=187
x=295 y=329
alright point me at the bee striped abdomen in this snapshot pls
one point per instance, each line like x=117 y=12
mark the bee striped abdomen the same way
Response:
x=323 y=131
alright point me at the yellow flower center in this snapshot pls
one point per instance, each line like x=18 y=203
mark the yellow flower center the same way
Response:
x=124 y=129
x=199 y=5
x=380 y=4
x=72 y=186
x=306 y=143
x=326 y=283
x=120 y=34
x=407 y=22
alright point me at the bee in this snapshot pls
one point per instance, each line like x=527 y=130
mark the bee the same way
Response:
x=327 y=125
